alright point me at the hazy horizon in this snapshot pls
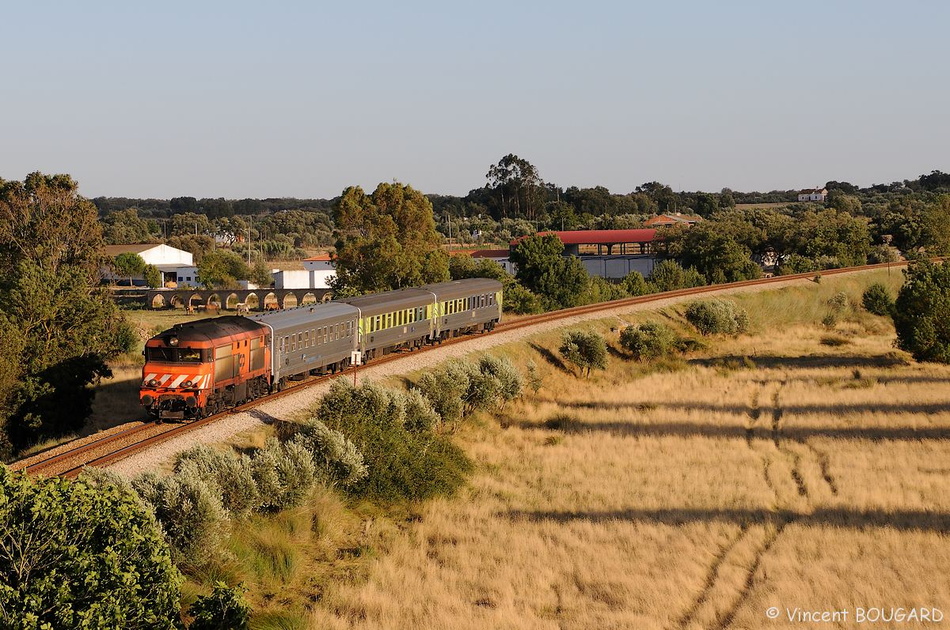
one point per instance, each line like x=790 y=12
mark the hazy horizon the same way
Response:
x=242 y=100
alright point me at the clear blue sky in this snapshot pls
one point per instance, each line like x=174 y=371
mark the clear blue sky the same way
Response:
x=277 y=99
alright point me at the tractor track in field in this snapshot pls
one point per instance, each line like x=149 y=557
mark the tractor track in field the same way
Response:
x=124 y=448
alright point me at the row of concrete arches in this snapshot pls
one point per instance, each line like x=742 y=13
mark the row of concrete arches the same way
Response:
x=252 y=302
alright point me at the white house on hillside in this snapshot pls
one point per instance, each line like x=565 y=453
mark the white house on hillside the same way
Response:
x=815 y=194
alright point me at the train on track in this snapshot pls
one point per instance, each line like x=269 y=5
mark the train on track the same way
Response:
x=204 y=367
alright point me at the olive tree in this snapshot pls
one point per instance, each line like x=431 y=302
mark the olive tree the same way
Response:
x=586 y=350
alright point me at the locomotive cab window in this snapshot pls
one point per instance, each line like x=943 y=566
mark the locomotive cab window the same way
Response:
x=175 y=355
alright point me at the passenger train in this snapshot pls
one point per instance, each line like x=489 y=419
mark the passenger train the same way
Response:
x=203 y=367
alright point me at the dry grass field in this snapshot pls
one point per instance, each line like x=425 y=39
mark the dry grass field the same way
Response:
x=795 y=467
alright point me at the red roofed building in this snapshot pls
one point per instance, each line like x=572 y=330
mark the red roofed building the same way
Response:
x=610 y=253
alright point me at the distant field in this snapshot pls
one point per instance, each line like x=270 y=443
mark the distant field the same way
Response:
x=796 y=467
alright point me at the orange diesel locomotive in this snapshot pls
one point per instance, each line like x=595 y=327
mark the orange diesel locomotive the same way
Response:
x=203 y=367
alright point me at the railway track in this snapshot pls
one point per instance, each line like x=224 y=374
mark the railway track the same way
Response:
x=111 y=448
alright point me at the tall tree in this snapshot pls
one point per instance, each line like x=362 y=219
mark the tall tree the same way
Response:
x=125 y=226
x=517 y=187
x=222 y=269
x=386 y=240
x=50 y=260
x=128 y=264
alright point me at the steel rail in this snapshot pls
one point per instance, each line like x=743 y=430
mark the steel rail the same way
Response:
x=178 y=430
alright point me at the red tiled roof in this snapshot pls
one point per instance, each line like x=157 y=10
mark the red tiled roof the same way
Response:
x=321 y=257
x=601 y=237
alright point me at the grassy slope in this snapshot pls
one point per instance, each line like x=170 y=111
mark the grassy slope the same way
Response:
x=783 y=468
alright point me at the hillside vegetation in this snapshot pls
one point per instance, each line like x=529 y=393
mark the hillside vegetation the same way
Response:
x=800 y=465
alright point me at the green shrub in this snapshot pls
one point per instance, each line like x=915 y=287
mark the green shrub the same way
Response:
x=922 y=310
x=295 y=469
x=337 y=460
x=521 y=301
x=533 y=378
x=284 y=473
x=795 y=263
x=602 y=290
x=447 y=390
x=189 y=511
x=839 y=302
x=229 y=472
x=830 y=320
x=81 y=554
x=510 y=381
x=717 y=317
x=224 y=609
x=420 y=413
x=483 y=390
x=634 y=284
x=586 y=350
x=652 y=340
x=401 y=464
x=370 y=399
x=877 y=300
x=669 y=276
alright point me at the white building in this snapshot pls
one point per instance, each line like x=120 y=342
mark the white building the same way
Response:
x=303 y=278
x=318 y=263
x=815 y=194
x=170 y=261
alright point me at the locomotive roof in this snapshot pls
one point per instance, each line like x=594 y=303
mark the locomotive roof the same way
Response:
x=463 y=288
x=305 y=316
x=388 y=301
x=210 y=329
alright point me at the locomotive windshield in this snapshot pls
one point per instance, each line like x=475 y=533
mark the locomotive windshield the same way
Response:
x=173 y=355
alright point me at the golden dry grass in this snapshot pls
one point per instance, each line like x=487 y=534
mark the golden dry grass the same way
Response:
x=771 y=470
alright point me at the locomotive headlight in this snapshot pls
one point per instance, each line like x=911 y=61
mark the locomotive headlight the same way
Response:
x=173 y=341
x=187 y=384
x=152 y=383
